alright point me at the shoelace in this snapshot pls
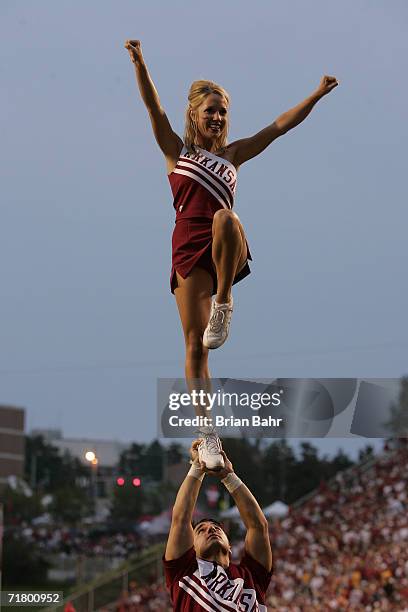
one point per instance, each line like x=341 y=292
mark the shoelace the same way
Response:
x=212 y=443
x=217 y=320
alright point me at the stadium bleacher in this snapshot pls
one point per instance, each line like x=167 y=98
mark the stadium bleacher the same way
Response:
x=345 y=548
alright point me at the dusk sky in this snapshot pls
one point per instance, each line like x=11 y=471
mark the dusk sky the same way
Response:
x=88 y=322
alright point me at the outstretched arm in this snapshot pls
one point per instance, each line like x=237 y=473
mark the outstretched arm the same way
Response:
x=181 y=531
x=246 y=148
x=167 y=139
x=257 y=542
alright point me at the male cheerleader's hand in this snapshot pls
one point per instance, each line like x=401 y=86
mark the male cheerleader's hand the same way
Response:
x=194 y=455
x=227 y=469
x=135 y=50
x=223 y=473
x=327 y=84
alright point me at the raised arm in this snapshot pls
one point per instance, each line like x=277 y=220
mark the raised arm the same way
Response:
x=257 y=542
x=181 y=531
x=167 y=139
x=246 y=148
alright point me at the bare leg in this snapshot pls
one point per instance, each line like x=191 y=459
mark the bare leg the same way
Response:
x=229 y=252
x=193 y=296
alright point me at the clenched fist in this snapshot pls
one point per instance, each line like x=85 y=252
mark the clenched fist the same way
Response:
x=327 y=84
x=135 y=50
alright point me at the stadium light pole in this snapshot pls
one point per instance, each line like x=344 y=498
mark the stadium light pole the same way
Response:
x=93 y=461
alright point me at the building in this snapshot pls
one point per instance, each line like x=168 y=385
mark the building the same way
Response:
x=12 y=454
x=107 y=454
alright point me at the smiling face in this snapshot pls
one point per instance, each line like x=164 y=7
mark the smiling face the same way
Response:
x=209 y=539
x=211 y=117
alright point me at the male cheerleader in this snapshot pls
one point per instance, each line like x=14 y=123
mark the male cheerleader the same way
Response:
x=197 y=561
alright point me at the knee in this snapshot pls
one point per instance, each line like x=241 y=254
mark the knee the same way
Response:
x=225 y=221
x=194 y=346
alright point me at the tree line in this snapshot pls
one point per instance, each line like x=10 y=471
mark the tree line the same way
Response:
x=271 y=469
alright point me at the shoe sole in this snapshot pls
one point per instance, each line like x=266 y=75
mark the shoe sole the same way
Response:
x=216 y=468
x=211 y=348
x=208 y=345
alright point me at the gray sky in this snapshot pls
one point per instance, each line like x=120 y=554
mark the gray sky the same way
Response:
x=87 y=319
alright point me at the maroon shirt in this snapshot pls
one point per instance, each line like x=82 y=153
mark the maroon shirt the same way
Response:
x=196 y=584
x=202 y=183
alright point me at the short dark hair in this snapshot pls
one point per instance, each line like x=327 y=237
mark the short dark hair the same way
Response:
x=208 y=520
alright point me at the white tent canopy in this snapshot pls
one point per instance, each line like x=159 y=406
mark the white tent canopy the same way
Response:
x=276 y=510
x=158 y=525
x=232 y=512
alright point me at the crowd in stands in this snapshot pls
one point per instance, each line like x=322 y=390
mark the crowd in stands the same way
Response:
x=345 y=549
x=69 y=541
x=143 y=599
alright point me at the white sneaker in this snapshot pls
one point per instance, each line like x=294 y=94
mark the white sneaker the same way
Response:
x=209 y=450
x=217 y=329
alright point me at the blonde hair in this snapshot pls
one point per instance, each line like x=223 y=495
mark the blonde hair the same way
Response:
x=199 y=91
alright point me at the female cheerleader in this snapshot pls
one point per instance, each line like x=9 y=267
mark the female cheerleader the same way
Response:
x=210 y=251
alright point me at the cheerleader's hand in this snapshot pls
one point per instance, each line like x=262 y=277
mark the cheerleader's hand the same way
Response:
x=327 y=84
x=135 y=50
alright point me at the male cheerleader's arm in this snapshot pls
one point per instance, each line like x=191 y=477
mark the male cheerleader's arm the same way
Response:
x=257 y=542
x=245 y=149
x=181 y=531
x=169 y=142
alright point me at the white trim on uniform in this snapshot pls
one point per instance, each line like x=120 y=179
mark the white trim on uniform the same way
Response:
x=203 y=183
x=196 y=597
x=218 y=183
x=215 y=599
x=206 y=598
x=193 y=161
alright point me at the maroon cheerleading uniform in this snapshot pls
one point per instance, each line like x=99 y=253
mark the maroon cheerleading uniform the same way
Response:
x=196 y=584
x=201 y=183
